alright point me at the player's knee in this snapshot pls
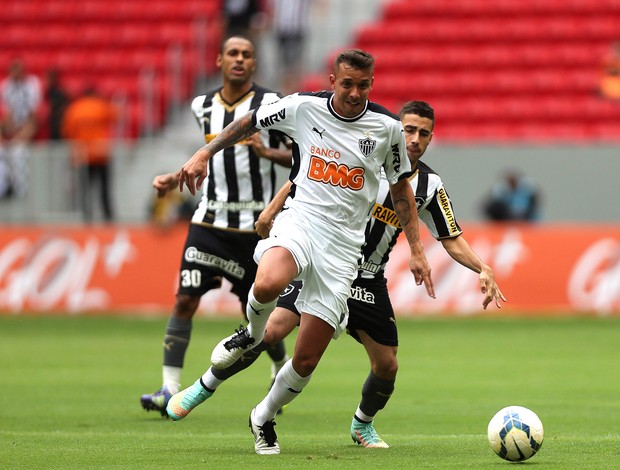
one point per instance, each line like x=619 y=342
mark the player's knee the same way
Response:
x=304 y=364
x=185 y=306
x=272 y=336
x=267 y=289
x=385 y=368
x=281 y=323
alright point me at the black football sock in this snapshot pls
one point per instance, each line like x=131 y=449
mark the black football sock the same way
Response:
x=375 y=394
x=176 y=341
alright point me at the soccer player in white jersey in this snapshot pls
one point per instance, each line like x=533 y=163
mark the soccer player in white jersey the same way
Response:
x=341 y=141
x=221 y=237
x=371 y=317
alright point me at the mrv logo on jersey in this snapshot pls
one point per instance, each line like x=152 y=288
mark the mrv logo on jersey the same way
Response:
x=396 y=157
x=276 y=117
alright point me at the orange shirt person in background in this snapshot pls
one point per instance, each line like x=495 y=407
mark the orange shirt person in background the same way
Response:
x=88 y=126
x=609 y=85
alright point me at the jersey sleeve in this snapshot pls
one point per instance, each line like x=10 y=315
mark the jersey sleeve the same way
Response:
x=438 y=215
x=397 y=165
x=198 y=111
x=279 y=115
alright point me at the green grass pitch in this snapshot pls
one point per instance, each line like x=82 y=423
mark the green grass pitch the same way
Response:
x=70 y=389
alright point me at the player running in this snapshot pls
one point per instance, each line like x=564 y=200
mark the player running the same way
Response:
x=341 y=141
x=371 y=317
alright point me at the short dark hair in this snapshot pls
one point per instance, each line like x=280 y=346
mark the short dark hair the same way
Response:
x=355 y=58
x=421 y=108
x=234 y=36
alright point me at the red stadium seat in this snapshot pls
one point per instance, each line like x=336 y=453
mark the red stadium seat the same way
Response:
x=111 y=43
x=517 y=70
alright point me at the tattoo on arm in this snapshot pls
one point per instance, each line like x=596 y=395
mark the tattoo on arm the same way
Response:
x=237 y=130
x=402 y=209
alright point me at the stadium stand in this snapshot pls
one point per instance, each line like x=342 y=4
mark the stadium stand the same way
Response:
x=499 y=71
x=526 y=70
x=144 y=54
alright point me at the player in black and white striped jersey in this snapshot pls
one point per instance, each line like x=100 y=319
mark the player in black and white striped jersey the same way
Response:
x=221 y=238
x=372 y=320
x=240 y=184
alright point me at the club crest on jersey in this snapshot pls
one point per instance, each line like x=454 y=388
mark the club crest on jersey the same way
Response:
x=289 y=290
x=367 y=145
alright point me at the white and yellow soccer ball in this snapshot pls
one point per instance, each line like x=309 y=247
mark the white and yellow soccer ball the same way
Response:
x=515 y=433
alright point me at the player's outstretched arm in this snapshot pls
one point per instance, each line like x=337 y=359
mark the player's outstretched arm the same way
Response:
x=266 y=217
x=194 y=172
x=164 y=183
x=405 y=208
x=460 y=251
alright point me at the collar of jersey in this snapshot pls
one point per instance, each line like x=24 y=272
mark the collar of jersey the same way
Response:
x=414 y=173
x=230 y=107
x=342 y=118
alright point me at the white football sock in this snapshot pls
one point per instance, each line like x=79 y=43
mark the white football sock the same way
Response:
x=172 y=378
x=287 y=386
x=364 y=417
x=211 y=381
x=258 y=314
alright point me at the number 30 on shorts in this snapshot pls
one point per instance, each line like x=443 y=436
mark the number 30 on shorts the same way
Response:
x=190 y=278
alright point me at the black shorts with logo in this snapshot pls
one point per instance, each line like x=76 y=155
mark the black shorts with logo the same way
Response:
x=210 y=254
x=370 y=309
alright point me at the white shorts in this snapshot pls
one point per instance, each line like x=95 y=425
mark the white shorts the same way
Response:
x=326 y=264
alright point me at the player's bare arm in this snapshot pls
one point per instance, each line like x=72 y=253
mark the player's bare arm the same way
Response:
x=405 y=208
x=194 y=172
x=461 y=252
x=266 y=217
x=164 y=183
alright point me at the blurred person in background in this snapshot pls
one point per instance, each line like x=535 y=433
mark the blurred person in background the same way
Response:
x=221 y=237
x=372 y=321
x=57 y=101
x=609 y=85
x=88 y=124
x=290 y=21
x=514 y=198
x=243 y=18
x=20 y=100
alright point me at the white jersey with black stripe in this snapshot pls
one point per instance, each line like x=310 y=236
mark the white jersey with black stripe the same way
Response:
x=239 y=183
x=337 y=161
x=434 y=209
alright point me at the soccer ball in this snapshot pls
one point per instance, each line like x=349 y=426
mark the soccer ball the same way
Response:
x=515 y=433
